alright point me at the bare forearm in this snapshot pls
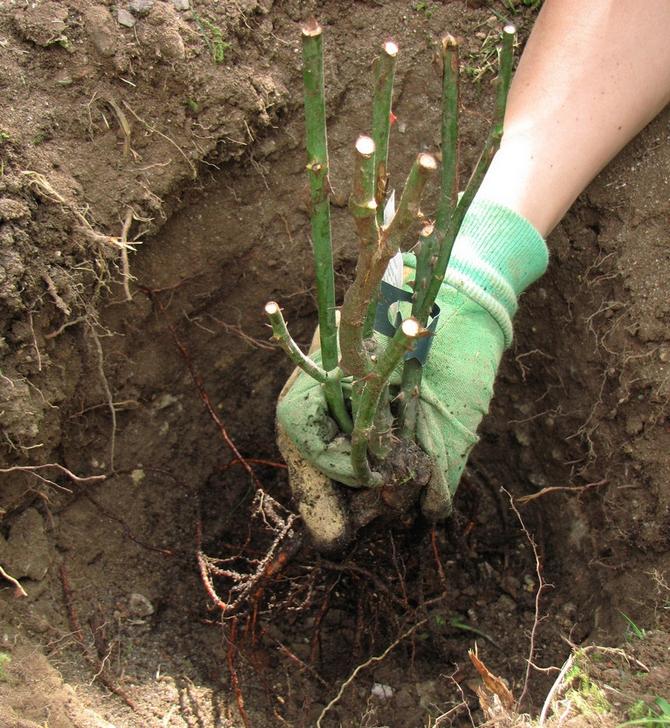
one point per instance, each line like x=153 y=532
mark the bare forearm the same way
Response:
x=593 y=74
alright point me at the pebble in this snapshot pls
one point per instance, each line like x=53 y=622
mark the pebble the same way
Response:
x=506 y=604
x=139 y=605
x=26 y=552
x=140 y=7
x=181 y=4
x=125 y=18
x=634 y=425
x=381 y=691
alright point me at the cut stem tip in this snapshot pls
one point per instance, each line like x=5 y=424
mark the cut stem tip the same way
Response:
x=271 y=308
x=365 y=146
x=509 y=30
x=448 y=41
x=411 y=327
x=427 y=162
x=390 y=48
x=311 y=28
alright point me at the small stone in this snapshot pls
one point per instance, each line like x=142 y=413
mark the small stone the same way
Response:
x=510 y=584
x=140 y=7
x=26 y=552
x=634 y=425
x=381 y=691
x=538 y=479
x=137 y=476
x=181 y=4
x=125 y=18
x=101 y=30
x=506 y=604
x=139 y=605
x=522 y=437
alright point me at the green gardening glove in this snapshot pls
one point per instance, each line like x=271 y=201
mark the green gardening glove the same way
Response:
x=496 y=256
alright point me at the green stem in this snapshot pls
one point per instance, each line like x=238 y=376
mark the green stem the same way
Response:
x=384 y=72
x=408 y=209
x=317 y=167
x=330 y=379
x=450 y=98
x=425 y=260
x=281 y=335
x=372 y=262
x=447 y=238
x=362 y=205
x=375 y=383
x=412 y=369
x=504 y=75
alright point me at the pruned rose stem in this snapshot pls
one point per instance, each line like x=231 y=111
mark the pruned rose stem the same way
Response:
x=408 y=210
x=281 y=335
x=425 y=257
x=447 y=238
x=372 y=262
x=382 y=102
x=362 y=205
x=374 y=385
x=384 y=72
x=317 y=168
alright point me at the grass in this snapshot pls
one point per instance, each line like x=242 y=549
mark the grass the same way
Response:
x=632 y=630
x=213 y=36
x=654 y=716
x=424 y=6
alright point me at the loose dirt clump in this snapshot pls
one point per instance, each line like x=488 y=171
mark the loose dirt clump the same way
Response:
x=151 y=201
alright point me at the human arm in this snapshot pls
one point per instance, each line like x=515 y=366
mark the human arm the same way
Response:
x=591 y=76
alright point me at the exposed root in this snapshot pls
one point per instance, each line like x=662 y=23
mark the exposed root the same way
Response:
x=99 y=667
x=246 y=576
x=34 y=471
x=231 y=653
x=19 y=590
x=572 y=489
x=373 y=660
x=125 y=265
x=541 y=586
x=153 y=130
x=108 y=393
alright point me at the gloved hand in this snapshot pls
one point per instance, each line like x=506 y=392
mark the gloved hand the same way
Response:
x=496 y=256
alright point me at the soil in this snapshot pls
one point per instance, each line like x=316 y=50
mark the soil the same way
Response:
x=151 y=201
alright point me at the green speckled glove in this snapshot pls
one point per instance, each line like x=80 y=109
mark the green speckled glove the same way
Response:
x=496 y=256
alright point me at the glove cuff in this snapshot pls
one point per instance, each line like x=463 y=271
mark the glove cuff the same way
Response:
x=496 y=256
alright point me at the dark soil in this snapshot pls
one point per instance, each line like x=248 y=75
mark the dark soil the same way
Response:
x=147 y=135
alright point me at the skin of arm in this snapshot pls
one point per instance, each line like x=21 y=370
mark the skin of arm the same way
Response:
x=592 y=75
